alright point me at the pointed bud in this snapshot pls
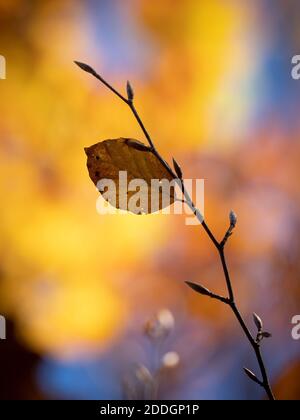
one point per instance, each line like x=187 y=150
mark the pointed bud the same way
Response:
x=130 y=92
x=251 y=375
x=85 y=67
x=177 y=169
x=266 y=334
x=199 y=289
x=232 y=219
x=258 y=322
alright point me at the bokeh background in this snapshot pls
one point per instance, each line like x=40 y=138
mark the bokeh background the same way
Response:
x=213 y=85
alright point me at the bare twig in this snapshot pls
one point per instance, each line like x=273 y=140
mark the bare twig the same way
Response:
x=220 y=246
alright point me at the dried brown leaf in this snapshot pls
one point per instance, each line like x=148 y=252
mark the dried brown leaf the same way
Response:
x=106 y=159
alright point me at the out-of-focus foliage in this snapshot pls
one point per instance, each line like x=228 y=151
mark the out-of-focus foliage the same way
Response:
x=212 y=82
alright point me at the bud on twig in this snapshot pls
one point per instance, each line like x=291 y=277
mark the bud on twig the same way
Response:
x=177 y=169
x=85 y=67
x=261 y=335
x=252 y=376
x=199 y=289
x=204 y=291
x=232 y=219
x=130 y=92
x=258 y=322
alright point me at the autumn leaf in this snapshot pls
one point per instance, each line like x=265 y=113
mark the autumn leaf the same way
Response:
x=142 y=183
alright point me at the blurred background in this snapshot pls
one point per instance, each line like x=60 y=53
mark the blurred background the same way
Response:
x=213 y=85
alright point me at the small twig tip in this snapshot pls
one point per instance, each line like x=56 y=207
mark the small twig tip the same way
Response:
x=130 y=92
x=232 y=219
x=85 y=67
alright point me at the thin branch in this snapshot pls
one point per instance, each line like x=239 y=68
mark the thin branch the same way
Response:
x=220 y=246
x=226 y=273
x=89 y=69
